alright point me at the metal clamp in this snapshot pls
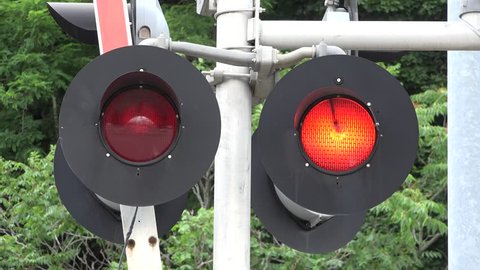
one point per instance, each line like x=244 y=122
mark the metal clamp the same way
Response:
x=217 y=76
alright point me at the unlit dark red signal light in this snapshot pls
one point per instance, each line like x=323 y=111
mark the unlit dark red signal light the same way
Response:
x=139 y=124
x=130 y=125
x=338 y=134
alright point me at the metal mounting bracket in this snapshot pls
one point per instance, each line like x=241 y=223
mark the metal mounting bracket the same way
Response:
x=149 y=20
x=206 y=7
x=217 y=76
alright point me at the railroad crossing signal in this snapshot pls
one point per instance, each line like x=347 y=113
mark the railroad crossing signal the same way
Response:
x=337 y=136
x=135 y=131
x=131 y=125
x=139 y=126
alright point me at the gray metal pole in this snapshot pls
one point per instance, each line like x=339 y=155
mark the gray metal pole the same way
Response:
x=369 y=35
x=231 y=249
x=463 y=153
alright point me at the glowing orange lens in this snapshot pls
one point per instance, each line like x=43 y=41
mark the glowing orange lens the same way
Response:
x=338 y=134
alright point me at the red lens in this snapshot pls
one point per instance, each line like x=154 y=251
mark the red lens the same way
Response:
x=139 y=125
x=338 y=134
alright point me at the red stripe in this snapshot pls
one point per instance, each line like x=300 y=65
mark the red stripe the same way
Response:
x=112 y=25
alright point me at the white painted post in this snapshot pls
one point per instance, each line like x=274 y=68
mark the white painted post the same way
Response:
x=142 y=250
x=232 y=162
x=463 y=149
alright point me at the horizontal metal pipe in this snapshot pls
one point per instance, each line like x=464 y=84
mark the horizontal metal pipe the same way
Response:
x=231 y=57
x=370 y=35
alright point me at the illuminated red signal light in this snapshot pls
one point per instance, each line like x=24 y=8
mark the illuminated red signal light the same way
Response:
x=336 y=144
x=139 y=124
x=338 y=134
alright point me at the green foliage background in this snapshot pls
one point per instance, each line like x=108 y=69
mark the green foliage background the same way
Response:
x=37 y=61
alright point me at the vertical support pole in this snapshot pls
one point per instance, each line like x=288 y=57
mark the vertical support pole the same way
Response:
x=463 y=151
x=142 y=251
x=232 y=162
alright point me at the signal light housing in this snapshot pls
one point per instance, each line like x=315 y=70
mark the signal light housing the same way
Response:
x=89 y=211
x=288 y=228
x=76 y=19
x=337 y=135
x=139 y=126
x=366 y=135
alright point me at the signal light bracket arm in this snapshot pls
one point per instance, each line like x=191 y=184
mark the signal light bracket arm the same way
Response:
x=235 y=58
x=264 y=59
x=268 y=60
x=291 y=58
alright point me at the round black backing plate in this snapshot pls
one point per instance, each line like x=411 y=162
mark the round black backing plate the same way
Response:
x=95 y=216
x=327 y=237
x=395 y=151
x=161 y=181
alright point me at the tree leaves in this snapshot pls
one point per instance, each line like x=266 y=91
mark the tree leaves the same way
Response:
x=37 y=63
